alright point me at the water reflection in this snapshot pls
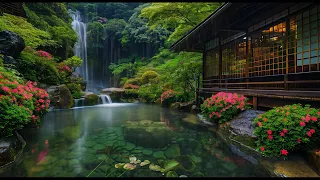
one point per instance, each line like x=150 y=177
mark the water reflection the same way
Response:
x=74 y=142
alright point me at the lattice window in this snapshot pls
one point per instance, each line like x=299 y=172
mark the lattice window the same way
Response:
x=305 y=32
x=234 y=59
x=212 y=64
x=268 y=51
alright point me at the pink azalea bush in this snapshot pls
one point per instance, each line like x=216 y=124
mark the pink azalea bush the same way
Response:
x=222 y=107
x=286 y=129
x=130 y=86
x=168 y=96
x=21 y=102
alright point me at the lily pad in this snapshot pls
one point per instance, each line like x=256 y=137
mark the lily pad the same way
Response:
x=119 y=165
x=154 y=167
x=172 y=174
x=132 y=159
x=147 y=152
x=159 y=155
x=145 y=162
x=129 y=166
x=169 y=165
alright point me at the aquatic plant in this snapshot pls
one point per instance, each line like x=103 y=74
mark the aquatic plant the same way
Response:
x=286 y=129
x=222 y=107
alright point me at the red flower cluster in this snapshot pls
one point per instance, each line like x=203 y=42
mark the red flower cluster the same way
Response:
x=222 y=103
x=43 y=54
x=64 y=68
x=26 y=95
x=131 y=86
x=167 y=94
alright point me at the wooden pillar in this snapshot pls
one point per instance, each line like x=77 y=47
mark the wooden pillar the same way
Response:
x=220 y=61
x=255 y=102
x=247 y=59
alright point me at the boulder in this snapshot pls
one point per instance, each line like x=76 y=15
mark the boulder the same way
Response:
x=289 y=168
x=11 y=149
x=11 y=44
x=313 y=157
x=9 y=60
x=75 y=75
x=91 y=99
x=60 y=96
x=243 y=123
x=186 y=106
x=175 y=106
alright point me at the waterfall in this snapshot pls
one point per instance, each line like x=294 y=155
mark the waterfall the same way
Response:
x=80 y=48
x=105 y=99
x=79 y=102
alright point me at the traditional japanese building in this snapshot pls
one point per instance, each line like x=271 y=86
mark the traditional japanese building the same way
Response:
x=269 y=52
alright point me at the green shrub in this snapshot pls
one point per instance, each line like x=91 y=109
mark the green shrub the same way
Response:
x=75 y=90
x=37 y=68
x=78 y=81
x=150 y=92
x=32 y=36
x=1 y=60
x=285 y=129
x=123 y=81
x=150 y=77
x=133 y=81
x=131 y=93
x=222 y=107
x=73 y=62
x=91 y=99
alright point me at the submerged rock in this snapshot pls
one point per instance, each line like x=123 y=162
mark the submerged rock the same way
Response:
x=148 y=133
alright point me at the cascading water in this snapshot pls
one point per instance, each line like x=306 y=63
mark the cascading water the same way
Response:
x=80 y=48
x=105 y=99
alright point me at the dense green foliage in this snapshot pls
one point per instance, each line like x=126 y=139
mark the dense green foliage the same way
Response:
x=55 y=20
x=32 y=36
x=21 y=102
x=286 y=129
x=222 y=107
x=157 y=23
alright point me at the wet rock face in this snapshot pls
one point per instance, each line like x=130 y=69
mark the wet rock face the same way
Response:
x=243 y=123
x=11 y=44
x=9 y=148
x=60 y=96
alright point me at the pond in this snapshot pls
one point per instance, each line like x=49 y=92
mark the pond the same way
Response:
x=89 y=141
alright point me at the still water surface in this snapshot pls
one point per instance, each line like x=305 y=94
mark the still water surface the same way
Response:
x=74 y=142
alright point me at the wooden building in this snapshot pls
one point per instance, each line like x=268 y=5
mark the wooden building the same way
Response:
x=14 y=8
x=269 y=52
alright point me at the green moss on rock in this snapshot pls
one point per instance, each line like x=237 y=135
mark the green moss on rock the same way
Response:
x=91 y=99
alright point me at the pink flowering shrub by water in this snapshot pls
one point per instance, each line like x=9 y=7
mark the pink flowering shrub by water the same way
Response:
x=167 y=96
x=286 y=129
x=21 y=102
x=222 y=107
